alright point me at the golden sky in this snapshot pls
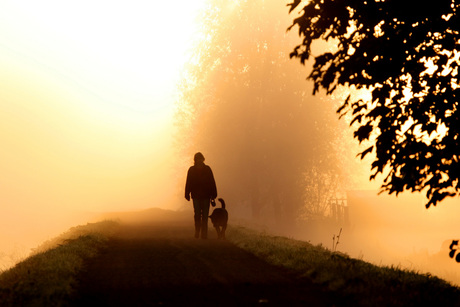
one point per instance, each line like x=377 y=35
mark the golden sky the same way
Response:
x=86 y=103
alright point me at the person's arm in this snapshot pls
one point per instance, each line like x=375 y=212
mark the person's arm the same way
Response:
x=187 y=186
x=213 y=186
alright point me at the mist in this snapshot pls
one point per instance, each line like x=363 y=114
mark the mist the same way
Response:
x=282 y=159
x=76 y=146
x=62 y=166
x=86 y=121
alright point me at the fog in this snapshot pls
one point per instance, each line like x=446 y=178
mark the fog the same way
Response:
x=87 y=92
x=88 y=127
x=282 y=158
x=390 y=230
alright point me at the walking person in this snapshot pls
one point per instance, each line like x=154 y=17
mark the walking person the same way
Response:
x=200 y=184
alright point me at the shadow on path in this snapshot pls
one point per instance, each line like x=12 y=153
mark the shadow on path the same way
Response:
x=163 y=265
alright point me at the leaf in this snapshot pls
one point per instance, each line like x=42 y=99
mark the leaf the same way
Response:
x=365 y=152
x=457 y=258
x=344 y=105
x=356 y=118
x=293 y=5
x=377 y=112
x=363 y=132
x=451 y=247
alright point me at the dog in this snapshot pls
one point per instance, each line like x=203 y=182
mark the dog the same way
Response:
x=219 y=219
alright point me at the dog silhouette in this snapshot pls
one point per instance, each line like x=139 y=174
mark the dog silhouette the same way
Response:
x=219 y=219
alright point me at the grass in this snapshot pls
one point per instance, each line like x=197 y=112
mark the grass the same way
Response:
x=47 y=277
x=358 y=282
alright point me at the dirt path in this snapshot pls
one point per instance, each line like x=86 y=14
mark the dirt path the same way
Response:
x=153 y=265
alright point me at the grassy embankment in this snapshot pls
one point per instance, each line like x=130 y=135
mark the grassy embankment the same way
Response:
x=47 y=277
x=358 y=282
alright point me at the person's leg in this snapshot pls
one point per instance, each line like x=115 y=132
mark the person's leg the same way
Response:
x=204 y=220
x=197 y=216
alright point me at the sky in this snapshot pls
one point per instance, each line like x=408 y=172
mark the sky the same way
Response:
x=86 y=103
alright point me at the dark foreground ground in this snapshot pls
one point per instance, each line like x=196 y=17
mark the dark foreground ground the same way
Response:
x=163 y=265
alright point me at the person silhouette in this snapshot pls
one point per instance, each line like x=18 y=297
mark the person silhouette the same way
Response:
x=200 y=184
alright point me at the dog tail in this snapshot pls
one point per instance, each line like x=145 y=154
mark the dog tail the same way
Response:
x=222 y=202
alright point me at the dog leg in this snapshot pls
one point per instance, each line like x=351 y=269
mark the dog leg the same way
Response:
x=222 y=232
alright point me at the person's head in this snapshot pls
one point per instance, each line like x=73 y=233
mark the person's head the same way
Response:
x=198 y=158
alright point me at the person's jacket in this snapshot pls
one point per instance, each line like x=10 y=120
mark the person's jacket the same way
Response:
x=200 y=182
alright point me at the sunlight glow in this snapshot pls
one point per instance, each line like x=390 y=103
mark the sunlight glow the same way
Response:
x=87 y=90
x=127 y=54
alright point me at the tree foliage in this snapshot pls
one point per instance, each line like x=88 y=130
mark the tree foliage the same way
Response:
x=404 y=53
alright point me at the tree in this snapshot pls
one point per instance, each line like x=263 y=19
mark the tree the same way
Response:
x=248 y=106
x=404 y=53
